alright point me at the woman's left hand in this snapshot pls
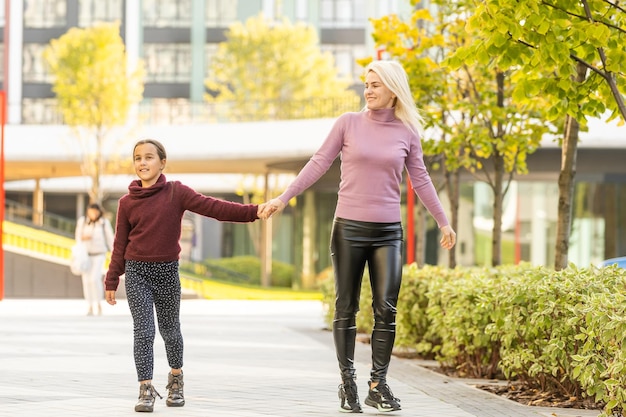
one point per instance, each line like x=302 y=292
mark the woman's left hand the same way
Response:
x=448 y=238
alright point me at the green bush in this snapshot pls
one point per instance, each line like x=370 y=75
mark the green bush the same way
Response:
x=248 y=269
x=556 y=331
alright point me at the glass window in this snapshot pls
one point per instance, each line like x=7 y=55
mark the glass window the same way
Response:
x=34 y=68
x=44 y=13
x=387 y=7
x=301 y=10
x=210 y=50
x=220 y=13
x=167 y=13
x=92 y=11
x=342 y=13
x=345 y=60
x=167 y=62
x=40 y=111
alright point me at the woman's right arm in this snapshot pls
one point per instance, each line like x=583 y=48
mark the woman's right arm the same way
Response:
x=319 y=163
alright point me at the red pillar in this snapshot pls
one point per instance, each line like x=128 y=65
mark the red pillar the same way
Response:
x=410 y=222
x=3 y=118
x=2 y=122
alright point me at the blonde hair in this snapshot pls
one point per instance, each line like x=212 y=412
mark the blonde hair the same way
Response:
x=395 y=78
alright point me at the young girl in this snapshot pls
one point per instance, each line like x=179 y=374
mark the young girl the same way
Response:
x=96 y=233
x=146 y=249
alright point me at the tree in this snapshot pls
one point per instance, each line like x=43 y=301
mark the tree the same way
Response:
x=482 y=129
x=275 y=70
x=571 y=52
x=94 y=88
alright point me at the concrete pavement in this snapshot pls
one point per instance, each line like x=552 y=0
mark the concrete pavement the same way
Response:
x=242 y=358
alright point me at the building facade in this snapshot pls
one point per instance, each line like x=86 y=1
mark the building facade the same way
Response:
x=176 y=39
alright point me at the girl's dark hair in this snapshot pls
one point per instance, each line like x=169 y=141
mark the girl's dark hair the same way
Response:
x=97 y=207
x=158 y=145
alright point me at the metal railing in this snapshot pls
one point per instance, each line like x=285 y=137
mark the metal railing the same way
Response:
x=25 y=214
x=183 y=111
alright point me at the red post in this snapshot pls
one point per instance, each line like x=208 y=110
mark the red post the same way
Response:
x=410 y=222
x=3 y=113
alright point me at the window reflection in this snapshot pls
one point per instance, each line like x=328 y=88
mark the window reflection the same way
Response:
x=34 y=68
x=220 y=13
x=342 y=13
x=167 y=62
x=92 y=11
x=159 y=13
x=44 y=13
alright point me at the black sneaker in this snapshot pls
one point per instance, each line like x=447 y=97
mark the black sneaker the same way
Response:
x=349 y=397
x=381 y=398
x=147 y=395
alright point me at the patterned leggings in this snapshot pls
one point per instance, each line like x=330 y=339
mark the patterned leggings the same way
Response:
x=154 y=286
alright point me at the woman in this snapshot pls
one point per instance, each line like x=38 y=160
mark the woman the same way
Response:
x=146 y=249
x=375 y=146
x=96 y=233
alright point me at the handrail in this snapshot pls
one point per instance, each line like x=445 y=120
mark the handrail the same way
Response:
x=35 y=240
x=22 y=213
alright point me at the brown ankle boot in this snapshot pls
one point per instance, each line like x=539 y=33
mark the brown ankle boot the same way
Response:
x=147 y=396
x=175 y=396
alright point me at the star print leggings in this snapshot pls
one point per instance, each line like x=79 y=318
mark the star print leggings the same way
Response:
x=150 y=287
x=353 y=245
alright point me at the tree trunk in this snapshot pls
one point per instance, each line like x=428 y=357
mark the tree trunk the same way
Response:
x=498 y=185
x=453 y=181
x=569 y=151
x=498 y=199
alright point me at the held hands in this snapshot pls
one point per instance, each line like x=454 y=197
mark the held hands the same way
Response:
x=267 y=209
x=448 y=238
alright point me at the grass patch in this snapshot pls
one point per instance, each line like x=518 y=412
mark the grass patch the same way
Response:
x=217 y=290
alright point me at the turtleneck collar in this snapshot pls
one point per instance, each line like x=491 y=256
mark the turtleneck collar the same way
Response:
x=135 y=190
x=382 y=115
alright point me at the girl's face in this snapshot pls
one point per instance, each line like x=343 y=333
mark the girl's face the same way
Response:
x=148 y=166
x=377 y=95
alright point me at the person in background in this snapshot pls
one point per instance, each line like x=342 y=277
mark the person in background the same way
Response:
x=146 y=250
x=375 y=146
x=96 y=233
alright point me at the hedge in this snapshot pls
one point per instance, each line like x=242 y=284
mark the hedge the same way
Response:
x=556 y=331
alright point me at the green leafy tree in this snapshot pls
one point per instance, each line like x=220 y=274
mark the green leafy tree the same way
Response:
x=275 y=70
x=94 y=89
x=569 y=52
x=481 y=128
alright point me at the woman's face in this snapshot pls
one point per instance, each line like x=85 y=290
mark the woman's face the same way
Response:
x=93 y=214
x=148 y=166
x=377 y=95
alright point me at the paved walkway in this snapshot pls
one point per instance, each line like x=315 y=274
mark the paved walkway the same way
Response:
x=242 y=358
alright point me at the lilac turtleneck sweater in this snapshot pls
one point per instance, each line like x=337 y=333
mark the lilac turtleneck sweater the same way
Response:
x=374 y=147
x=148 y=223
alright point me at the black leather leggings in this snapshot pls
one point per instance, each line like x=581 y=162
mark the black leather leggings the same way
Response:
x=352 y=245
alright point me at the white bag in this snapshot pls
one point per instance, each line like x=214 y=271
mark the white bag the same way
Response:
x=79 y=259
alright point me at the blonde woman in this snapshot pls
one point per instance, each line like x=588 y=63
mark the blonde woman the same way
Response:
x=375 y=146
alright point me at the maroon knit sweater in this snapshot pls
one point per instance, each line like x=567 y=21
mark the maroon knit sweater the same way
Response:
x=148 y=224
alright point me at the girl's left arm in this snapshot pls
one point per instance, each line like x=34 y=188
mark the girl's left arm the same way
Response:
x=218 y=209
